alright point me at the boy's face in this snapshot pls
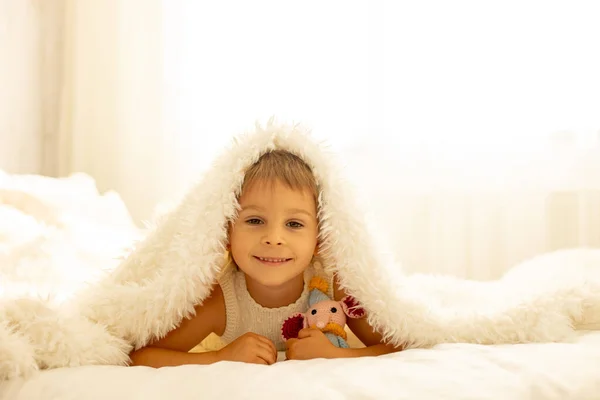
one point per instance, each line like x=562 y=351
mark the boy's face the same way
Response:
x=274 y=237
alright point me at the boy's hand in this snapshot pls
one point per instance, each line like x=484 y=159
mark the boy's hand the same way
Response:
x=311 y=343
x=249 y=348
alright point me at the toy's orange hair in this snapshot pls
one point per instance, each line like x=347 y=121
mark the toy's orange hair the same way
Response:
x=318 y=283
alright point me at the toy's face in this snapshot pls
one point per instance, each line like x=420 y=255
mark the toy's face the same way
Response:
x=325 y=312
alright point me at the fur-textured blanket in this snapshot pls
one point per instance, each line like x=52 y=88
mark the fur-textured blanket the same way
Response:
x=175 y=265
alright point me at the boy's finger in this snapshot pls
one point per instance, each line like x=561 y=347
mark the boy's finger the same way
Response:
x=267 y=356
x=265 y=340
x=269 y=343
x=290 y=342
x=268 y=350
x=260 y=360
x=306 y=332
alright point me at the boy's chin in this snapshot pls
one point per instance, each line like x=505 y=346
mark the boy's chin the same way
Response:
x=278 y=280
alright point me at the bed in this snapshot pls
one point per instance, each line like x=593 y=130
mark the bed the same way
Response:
x=60 y=232
x=451 y=371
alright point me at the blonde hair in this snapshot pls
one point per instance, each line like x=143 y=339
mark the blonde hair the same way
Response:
x=283 y=166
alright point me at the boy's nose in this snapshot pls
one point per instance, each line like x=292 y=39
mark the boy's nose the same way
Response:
x=273 y=237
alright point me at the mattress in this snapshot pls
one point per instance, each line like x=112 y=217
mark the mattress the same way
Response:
x=450 y=371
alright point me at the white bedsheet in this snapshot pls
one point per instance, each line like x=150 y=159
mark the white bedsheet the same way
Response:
x=452 y=371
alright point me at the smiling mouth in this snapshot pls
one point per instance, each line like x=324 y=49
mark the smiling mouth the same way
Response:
x=272 y=260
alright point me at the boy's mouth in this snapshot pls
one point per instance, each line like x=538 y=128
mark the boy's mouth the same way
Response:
x=272 y=260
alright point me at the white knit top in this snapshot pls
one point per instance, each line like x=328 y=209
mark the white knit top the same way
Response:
x=244 y=314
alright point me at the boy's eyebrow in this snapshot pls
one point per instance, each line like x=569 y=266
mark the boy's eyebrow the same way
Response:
x=289 y=210
x=299 y=211
x=253 y=207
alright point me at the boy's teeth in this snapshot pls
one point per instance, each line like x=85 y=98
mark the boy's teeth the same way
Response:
x=272 y=259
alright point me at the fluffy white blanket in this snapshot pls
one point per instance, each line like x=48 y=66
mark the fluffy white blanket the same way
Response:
x=174 y=266
x=56 y=235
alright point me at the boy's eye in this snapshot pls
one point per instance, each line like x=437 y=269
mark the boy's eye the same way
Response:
x=295 y=224
x=254 y=221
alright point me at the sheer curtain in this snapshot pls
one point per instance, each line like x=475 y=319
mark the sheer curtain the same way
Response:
x=471 y=128
x=20 y=88
x=112 y=112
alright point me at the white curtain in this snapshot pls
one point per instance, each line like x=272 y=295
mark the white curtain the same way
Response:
x=112 y=114
x=20 y=145
x=31 y=40
x=470 y=128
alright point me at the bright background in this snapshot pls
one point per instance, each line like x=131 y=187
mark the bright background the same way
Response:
x=471 y=128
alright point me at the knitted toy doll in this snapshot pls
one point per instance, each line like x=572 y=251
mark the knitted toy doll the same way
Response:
x=324 y=314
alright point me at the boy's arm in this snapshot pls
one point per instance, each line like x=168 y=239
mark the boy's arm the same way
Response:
x=173 y=349
x=157 y=357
